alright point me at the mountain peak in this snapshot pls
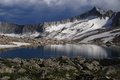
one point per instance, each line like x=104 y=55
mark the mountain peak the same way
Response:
x=101 y=11
x=95 y=11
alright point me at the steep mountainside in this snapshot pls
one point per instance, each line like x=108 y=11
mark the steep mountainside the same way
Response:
x=14 y=29
x=96 y=25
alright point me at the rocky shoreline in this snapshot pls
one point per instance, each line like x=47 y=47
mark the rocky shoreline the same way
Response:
x=35 y=42
x=62 y=68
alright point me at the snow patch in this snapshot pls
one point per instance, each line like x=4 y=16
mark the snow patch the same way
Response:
x=7 y=46
x=14 y=45
x=20 y=43
x=11 y=35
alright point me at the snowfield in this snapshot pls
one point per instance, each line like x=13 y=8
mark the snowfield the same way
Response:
x=7 y=46
x=14 y=45
x=20 y=43
x=106 y=36
x=76 y=29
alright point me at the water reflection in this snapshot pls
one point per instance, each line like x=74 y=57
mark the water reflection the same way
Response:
x=87 y=51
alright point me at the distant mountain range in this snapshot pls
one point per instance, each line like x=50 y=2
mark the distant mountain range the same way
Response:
x=96 y=25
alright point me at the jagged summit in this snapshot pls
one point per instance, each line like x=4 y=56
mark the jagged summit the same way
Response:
x=98 y=12
x=94 y=12
x=101 y=11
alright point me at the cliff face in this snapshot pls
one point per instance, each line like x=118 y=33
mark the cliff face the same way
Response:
x=32 y=28
x=7 y=28
x=116 y=19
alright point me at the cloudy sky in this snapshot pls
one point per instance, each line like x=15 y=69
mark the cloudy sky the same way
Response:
x=36 y=11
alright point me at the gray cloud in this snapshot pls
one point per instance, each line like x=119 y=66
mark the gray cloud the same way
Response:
x=107 y=4
x=50 y=9
x=74 y=4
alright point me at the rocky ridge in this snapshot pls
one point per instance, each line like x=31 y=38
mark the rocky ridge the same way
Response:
x=8 y=28
x=75 y=29
x=14 y=28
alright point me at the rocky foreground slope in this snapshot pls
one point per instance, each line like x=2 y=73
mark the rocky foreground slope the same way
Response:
x=59 y=69
x=96 y=26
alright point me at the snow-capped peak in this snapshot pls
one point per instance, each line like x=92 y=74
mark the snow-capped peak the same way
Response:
x=84 y=25
x=101 y=11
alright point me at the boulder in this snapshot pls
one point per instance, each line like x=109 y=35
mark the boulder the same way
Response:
x=24 y=78
x=21 y=70
x=94 y=66
x=5 y=78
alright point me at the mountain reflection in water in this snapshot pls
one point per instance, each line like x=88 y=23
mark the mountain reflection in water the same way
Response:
x=88 y=51
x=70 y=50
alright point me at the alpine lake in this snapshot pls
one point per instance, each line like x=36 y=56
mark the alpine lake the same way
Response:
x=88 y=51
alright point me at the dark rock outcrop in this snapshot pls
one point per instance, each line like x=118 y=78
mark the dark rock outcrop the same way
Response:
x=8 y=28
x=116 y=19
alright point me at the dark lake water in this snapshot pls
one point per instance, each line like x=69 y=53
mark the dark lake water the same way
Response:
x=87 y=51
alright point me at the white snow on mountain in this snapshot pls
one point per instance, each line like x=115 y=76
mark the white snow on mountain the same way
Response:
x=106 y=36
x=101 y=11
x=73 y=30
x=84 y=30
